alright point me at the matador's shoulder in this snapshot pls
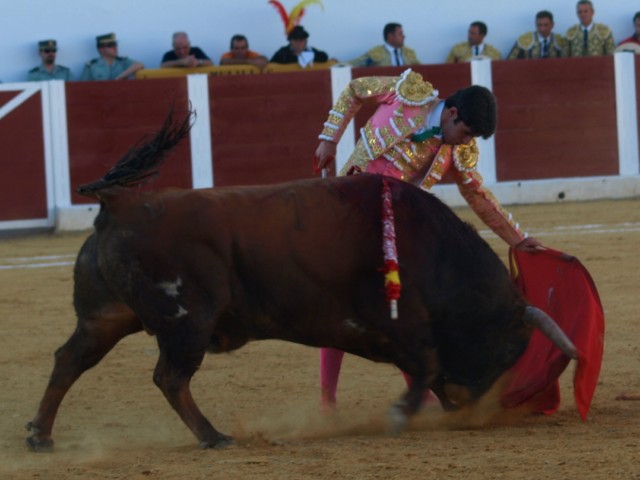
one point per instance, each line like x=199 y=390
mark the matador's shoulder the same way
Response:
x=412 y=90
x=378 y=54
x=601 y=30
x=526 y=41
x=573 y=32
x=465 y=157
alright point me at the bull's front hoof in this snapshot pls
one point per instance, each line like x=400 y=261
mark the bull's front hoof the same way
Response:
x=39 y=445
x=35 y=442
x=221 y=441
x=398 y=419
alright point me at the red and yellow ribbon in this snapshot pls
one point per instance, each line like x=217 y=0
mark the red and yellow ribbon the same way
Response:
x=392 y=283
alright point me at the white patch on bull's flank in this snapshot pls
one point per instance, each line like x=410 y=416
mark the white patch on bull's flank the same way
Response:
x=171 y=288
x=181 y=312
x=350 y=323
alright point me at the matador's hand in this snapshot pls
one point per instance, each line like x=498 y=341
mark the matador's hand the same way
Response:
x=530 y=245
x=325 y=155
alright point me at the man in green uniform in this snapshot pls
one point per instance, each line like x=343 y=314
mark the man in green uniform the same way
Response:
x=587 y=38
x=48 y=70
x=109 y=66
x=542 y=43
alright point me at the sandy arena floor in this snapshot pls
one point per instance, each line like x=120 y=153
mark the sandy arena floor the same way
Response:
x=115 y=424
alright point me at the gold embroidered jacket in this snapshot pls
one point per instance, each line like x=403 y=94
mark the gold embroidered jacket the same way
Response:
x=380 y=57
x=402 y=111
x=528 y=46
x=462 y=52
x=599 y=41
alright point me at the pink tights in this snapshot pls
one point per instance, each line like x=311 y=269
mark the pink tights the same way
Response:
x=330 y=362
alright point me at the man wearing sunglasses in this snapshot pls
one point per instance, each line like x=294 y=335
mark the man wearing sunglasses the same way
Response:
x=109 y=66
x=48 y=70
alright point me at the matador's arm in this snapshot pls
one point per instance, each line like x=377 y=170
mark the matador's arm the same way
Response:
x=487 y=207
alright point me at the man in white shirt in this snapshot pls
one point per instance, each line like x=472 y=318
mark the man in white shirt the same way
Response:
x=542 y=43
x=587 y=38
x=392 y=53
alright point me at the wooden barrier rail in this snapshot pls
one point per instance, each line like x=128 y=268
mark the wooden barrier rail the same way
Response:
x=223 y=70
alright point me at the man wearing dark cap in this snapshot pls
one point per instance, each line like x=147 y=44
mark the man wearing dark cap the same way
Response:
x=109 y=66
x=48 y=70
x=298 y=51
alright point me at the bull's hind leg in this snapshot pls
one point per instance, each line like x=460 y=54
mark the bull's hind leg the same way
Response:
x=92 y=339
x=180 y=357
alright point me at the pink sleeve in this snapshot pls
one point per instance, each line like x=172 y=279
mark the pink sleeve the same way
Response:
x=364 y=90
x=487 y=207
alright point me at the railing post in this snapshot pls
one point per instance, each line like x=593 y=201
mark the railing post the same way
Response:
x=481 y=75
x=340 y=78
x=626 y=113
x=200 y=135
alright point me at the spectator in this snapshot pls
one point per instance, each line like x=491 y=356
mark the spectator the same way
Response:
x=48 y=70
x=241 y=55
x=542 y=43
x=587 y=38
x=391 y=53
x=109 y=66
x=298 y=50
x=184 y=55
x=633 y=42
x=474 y=46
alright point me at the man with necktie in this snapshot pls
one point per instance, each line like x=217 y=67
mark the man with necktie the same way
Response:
x=417 y=137
x=588 y=38
x=475 y=46
x=542 y=43
x=391 y=53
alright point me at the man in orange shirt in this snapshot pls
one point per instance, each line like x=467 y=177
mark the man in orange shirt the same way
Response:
x=241 y=55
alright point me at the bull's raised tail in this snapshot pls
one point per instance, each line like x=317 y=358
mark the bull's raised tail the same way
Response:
x=141 y=162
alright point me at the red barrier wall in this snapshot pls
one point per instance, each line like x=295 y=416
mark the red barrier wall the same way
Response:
x=105 y=119
x=23 y=192
x=556 y=118
x=265 y=128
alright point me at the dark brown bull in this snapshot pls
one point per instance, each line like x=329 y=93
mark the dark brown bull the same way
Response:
x=209 y=270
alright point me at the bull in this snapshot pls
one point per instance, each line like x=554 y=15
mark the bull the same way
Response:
x=210 y=270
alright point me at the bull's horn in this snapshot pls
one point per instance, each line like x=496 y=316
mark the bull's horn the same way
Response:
x=543 y=322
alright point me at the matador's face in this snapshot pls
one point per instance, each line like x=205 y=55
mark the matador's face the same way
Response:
x=454 y=132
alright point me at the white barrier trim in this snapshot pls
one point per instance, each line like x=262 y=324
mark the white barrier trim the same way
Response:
x=28 y=90
x=552 y=190
x=200 y=135
x=481 y=75
x=340 y=78
x=626 y=113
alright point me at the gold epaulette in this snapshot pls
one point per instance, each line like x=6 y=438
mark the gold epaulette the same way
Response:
x=412 y=90
x=378 y=54
x=601 y=30
x=526 y=41
x=465 y=157
x=573 y=31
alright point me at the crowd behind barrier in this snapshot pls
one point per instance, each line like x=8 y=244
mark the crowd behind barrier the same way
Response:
x=600 y=41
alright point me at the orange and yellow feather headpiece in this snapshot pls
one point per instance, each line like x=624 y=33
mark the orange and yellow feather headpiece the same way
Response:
x=293 y=18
